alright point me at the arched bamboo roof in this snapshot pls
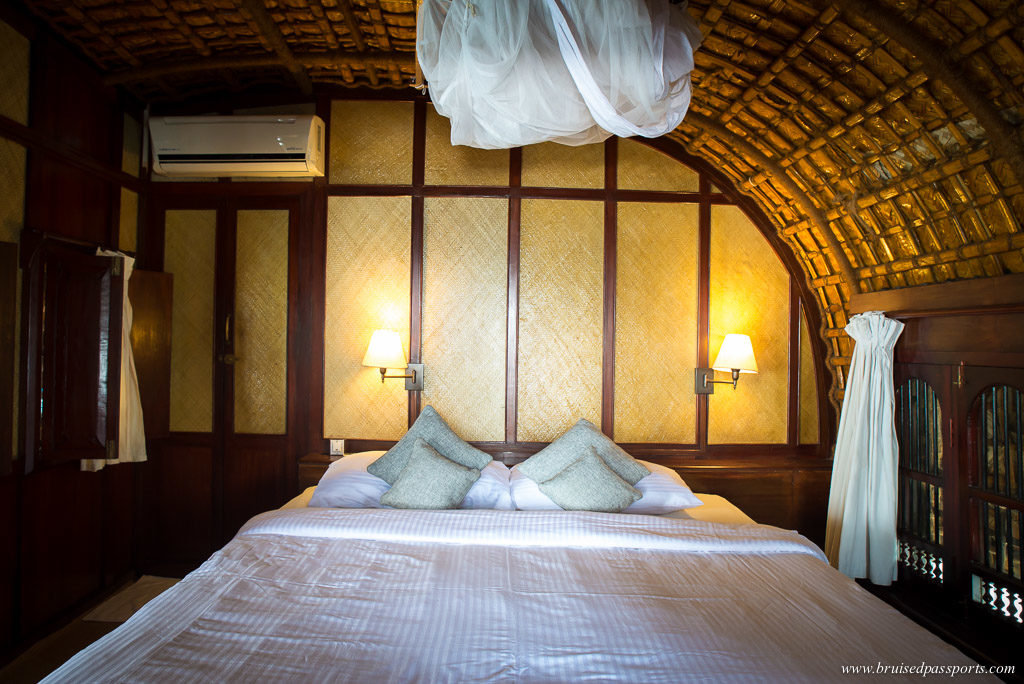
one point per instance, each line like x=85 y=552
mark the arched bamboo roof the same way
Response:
x=882 y=137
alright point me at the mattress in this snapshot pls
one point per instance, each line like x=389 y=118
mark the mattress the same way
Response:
x=380 y=595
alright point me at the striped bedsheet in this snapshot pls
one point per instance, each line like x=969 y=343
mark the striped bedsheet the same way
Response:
x=379 y=595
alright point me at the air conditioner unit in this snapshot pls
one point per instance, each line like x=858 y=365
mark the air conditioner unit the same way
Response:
x=274 y=146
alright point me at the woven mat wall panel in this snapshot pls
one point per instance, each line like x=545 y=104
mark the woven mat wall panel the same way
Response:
x=749 y=294
x=465 y=276
x=128 y=221
x=12 y=200
x=448 y=164
x=131 y=146
x=655 y=321
x=371 y=142
x=560 y=316
x=189 y=249
x=641 y=168
x=550 y=165
x=808 y=388
x=14 y=74
x=368 y=252
x=261 y=322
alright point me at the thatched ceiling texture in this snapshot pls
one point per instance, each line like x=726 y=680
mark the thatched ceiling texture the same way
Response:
x=883 y=137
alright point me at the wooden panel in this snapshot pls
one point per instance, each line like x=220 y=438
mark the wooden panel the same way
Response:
x=8 y=369
x=189 y=239
x=655 y=322
x=559 y=166
x=643 y=168
x=954 y=296
x=367 y=287
x=465 y=276
x=151 y=296
x=448 y=164
x=560 y=316
x=70 y=105
x=61 y=541
x=749 y=294
x=977 y=339
x=261 y=322
x=118 y=523
x=9 y=551
x=371 y=142
x=63 y=200
x=178 y=481
x=254 y=481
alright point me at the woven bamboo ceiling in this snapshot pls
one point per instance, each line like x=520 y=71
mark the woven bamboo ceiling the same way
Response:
x=883 y=137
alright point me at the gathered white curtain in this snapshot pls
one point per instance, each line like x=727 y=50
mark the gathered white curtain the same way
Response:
x=569 y=71
x=860 y=536
x=131 y=438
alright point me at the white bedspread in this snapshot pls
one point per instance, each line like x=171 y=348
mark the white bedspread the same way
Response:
x=477 y=595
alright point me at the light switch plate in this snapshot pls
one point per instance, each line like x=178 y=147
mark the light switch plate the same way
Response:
x=337 y=447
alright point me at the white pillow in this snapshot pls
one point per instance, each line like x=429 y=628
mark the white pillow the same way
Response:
x=663 y=492
x=346 y=484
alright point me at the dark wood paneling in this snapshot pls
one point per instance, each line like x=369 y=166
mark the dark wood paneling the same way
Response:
x=977 y=339
x=8 y=311
x=611 y=227
x=151 y=295
x=254 y=480
x=9 y=520
x=69 y=103
x=178 y=485
x=118 y=523
x=62 y=200
x=61 y=549
x=958 y=296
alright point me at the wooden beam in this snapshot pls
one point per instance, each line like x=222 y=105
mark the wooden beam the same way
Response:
x=269 y=31
x=962 y=295
x=336 y=59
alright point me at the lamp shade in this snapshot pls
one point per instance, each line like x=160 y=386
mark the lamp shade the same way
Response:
x=385 y=350
x=736 y=353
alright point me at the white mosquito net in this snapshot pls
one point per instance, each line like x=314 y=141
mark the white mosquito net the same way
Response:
x=510 y=73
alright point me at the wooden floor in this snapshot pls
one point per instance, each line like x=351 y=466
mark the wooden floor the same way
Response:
x=51 y=652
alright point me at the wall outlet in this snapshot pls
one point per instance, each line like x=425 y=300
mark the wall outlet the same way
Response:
x=337 y=447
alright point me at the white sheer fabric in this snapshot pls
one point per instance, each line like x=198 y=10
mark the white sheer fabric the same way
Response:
x=131 y=438
x=568 y=71
x=860 y=535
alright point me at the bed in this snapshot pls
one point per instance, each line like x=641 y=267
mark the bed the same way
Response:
x=376 y=595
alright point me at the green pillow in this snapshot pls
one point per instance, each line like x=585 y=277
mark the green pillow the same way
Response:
x=431 y=428
x=577 y=440
x=429 y=480
x=588 y=484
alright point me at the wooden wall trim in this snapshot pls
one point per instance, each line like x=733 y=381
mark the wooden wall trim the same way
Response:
x=979 y=295
x=611 y=223
x=793 y=410
x=515 y=177
x=703 y=303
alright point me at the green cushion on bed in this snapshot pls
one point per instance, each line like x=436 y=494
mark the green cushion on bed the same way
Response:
x=431 y=428
x=429 y=480
x=588 y=484
x=576 y=441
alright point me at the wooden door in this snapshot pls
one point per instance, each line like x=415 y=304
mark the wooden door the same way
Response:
x=230 y=410
x=252 y=359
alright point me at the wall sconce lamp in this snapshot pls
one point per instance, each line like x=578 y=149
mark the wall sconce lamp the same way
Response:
x=736 y=355
x=385 y=351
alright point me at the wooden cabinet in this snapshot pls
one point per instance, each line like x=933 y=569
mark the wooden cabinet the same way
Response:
x=73 y=352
